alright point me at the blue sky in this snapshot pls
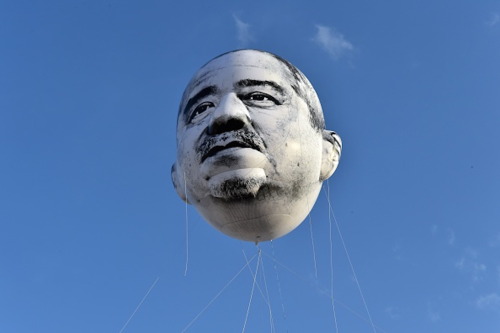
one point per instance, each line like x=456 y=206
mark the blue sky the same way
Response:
x=93 y=236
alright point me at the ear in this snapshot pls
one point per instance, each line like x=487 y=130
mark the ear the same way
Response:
x=179 y=183
x=332 y=146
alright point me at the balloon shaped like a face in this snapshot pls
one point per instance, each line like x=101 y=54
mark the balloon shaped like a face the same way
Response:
x=252 y=151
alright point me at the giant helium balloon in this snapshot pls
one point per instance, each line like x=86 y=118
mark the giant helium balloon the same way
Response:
x=252 y=148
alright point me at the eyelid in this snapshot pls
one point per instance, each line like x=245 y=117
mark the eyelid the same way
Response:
x=202 y=95
x=193 y=113
x=270 y=97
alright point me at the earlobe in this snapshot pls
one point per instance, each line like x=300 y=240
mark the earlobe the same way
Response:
x=332 y=147
x=179 y=183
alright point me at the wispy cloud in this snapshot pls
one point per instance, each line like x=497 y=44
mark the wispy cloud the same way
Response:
x=489 y=302
x=469 y=264
x=434 y=229
x=495 y=241
x=243 y=31
x=432 y=314
x=396 y=249
x=392 y=312
x=493 y=20
x=333 y=42
x=450 y=235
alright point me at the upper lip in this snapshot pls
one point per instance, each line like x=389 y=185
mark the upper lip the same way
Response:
x=214 y=146
x=215 y=149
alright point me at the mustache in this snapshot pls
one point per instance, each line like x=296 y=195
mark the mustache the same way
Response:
x=211 y=145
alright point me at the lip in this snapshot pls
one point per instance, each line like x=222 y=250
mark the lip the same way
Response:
x=232 y=144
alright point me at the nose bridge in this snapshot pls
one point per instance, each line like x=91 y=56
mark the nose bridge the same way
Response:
x=229 y=115
x=230 y=106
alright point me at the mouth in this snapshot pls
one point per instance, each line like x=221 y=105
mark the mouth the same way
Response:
x=233 y=144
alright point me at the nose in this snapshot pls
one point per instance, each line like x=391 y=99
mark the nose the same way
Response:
x=230 y=115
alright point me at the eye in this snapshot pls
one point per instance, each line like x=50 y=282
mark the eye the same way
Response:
x=201 y=108
x=259 y=99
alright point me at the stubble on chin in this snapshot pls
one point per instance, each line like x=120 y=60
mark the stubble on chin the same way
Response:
x=236 y=189
x=239 y=189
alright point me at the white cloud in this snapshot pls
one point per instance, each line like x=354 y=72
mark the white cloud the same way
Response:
x=450 y=234
x=495 y=242
x=471 y=253
x=396 y=249
x=469 y=264
x=432 y=314
x=243 y=30
x=332 y=41
x=478 y=271
x=434 y=229
x=460 y=264
x=493 y=20
x=490 y=301
x=392 y=312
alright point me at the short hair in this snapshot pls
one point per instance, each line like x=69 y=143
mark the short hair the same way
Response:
x=301 y=85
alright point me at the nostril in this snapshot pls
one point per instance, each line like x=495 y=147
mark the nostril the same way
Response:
x=222 y=126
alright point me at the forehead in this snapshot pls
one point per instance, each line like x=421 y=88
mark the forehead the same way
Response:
x=231 y=67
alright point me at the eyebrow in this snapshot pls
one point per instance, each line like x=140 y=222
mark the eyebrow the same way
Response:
x=250 y=83
x=210 y=90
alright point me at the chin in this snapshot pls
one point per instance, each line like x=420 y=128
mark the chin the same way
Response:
x=237 y=184
x=256 y=213
x=236 y=189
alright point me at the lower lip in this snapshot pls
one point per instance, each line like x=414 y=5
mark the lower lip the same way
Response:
x=232 y=159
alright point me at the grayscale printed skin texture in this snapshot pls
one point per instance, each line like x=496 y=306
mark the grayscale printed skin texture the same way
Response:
x=252 y=151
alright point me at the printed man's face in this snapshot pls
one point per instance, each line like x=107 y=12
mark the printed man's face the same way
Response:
x=244 y=136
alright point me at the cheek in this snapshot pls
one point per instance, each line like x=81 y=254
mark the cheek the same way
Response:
x=294 y=134
x=283 y=121
x=190 y=168
x=187 y=139
x=299 y=147
x=276 y=127
x=302 y=150
x=186 y=156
